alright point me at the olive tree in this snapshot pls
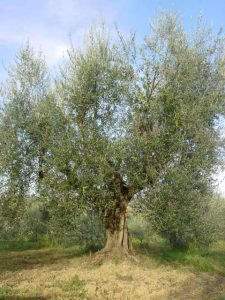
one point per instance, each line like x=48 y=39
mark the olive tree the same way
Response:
x=124 y=123
x=144 y=121
x=22 y=139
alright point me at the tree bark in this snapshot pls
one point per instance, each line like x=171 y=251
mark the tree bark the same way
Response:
x=118 y=240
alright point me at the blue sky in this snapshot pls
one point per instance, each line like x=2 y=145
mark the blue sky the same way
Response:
x=49 y=23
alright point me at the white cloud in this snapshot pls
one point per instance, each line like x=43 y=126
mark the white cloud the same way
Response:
x=48 y=26
x=53 y=48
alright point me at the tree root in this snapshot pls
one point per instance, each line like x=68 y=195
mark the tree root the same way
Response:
x=114 y=255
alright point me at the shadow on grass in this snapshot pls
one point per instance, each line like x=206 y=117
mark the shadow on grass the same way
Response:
x=19 y=246
x=22 y=298
x=16 y=256
x=202 y=287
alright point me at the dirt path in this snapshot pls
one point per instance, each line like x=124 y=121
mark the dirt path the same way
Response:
x=46 y=274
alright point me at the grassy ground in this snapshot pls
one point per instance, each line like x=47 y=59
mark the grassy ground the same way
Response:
x=30 y=271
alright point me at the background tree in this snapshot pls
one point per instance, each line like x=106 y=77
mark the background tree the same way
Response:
x=21 y=156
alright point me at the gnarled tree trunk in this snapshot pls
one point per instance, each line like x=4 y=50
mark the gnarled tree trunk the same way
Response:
x=117 y=234
x=118 y=240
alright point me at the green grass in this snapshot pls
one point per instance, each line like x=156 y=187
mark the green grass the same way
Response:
x=5 y=291
x=19 y=246
x=211 y=260
x=75 y=287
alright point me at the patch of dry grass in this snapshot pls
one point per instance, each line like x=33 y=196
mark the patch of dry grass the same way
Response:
x=58 y=274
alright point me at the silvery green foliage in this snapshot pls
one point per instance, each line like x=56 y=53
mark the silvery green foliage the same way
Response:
x=34 y=222
x=94 y=92
x=23 y=93
x=26 y=87
x=182 y=101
